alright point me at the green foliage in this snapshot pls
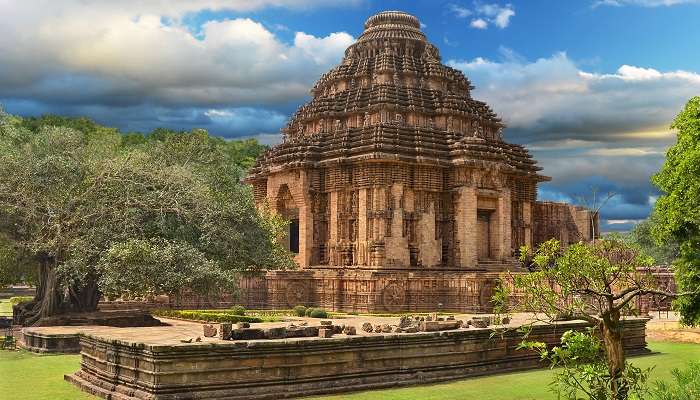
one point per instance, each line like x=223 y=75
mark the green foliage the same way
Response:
x=663 y=253
x=136 y=217
x=300 y=311
x=583 y=369
x=238 y=310
x=308 y=311
x=686 y=385
x=318 y=313
x=20 y=299
x=678 y=208
x=207 y=315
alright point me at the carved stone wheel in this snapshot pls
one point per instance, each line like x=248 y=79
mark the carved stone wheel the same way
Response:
x=297 y=293
x=393 y=297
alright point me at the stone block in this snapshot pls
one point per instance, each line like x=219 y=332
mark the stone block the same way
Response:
x=411 y=329
x=429 y=326
x=209 y=330
x=377 y=328
x=242 y=325
x=248 y=334
x=225 y=330
x=325 y=333
x=310 y=331
x=480 y=323
x=295 y=332
x=367 y=327
x=326 y=323
x=349 y=330
x=276 y=333
x=386 y=328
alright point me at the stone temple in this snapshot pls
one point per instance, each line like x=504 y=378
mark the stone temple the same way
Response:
x=400 y=189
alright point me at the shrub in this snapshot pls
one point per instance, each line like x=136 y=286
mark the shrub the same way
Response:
x=307 y=313
x=238 y=310
x=20 y=299
x=300 y=311
x=206 y=315
x=318 y=313
x=686 y=385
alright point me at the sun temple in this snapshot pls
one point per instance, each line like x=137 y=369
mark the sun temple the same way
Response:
x=400 y=189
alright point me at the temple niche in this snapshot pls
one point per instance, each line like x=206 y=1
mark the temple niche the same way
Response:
x=400 y=190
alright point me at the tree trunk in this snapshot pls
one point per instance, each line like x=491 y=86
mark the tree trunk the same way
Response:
x=615 y=355
x=85 y=297
x=50 y=301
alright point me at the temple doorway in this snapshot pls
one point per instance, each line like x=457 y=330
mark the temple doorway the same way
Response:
x=294 y=236
x=483 y=234
x=287 y=208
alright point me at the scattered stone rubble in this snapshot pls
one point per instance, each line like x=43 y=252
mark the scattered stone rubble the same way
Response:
x=326 y=328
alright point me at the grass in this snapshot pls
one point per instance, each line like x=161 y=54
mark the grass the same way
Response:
x=5 y=308
x=28 y=376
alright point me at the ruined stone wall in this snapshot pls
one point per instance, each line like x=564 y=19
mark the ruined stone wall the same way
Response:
x=564 y=222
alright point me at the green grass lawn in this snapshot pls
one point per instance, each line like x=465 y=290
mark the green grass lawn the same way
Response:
x=5 y=308
x=28 y=376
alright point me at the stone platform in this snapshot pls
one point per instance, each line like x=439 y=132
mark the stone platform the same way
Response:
x=117 y=367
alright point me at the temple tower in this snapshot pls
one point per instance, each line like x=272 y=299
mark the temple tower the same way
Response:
x=400 y=190
x=393 y=165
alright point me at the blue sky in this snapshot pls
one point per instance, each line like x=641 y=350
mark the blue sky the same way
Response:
x=589 y=86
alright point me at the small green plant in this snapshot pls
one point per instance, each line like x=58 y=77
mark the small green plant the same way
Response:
x=238 y=310
x=584 y=369
x=318 y=313
x=685 y=387
x=300 y=311
x=307 y=313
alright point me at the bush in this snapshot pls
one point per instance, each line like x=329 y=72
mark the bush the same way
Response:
x=318 y=313
x=300 y=311
x=238 y=310
x=206 y=315
x=20 y=299
x=307 y=313
x=686 y=385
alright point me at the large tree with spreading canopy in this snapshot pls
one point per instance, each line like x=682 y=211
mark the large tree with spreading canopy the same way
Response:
x=98 y=212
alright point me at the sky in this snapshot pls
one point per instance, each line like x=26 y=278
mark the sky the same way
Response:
x=589 y=86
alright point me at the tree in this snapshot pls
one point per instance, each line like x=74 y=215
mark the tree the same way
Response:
x=100 y=216
x=595 y=282
x=641 y=235
x=678 y=208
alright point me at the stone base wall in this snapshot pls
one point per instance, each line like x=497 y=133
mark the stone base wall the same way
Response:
x=53 y=343
x=349 y=290
x=273 y=369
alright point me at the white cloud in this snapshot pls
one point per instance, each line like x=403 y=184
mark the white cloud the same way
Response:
x=485 y=14
x=479 y=23
x=130 y=53
x=552 y=96
x=459 y=11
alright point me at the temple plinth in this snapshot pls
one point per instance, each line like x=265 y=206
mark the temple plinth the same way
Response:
x=393 y=168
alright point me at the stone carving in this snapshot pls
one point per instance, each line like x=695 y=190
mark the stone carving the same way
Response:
x=393 y=297
x=297 y=294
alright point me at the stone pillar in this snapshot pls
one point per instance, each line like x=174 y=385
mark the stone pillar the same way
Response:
x=396 y=245
x=503 y=238
x=362 y=234
x=333 y=257
x=430 y=249
x=527 y=221
x=465 y=224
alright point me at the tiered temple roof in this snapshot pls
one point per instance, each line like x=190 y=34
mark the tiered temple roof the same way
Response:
x=392 y=99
